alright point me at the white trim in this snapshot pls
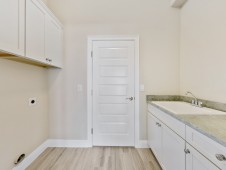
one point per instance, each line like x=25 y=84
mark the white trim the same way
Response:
x=90 y=82
x=62 y=143
x=51 y=143
x=89 y=90
x=69 y=143
x=28 y=160
x=137 y=91
x=143 y=144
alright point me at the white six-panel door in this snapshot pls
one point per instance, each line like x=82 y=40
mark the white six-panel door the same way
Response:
x=113 y=87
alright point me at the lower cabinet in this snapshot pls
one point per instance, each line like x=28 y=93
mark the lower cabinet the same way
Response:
x=173 y=154
x=167 y=146
x=196 y=161
x=155 y=137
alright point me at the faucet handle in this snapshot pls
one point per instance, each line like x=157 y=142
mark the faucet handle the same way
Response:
x=193 y=102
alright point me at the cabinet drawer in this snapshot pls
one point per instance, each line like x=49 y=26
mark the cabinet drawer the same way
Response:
x=206 y=146
x=168 y=120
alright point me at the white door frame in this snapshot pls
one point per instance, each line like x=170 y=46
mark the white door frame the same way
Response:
x=90 y=83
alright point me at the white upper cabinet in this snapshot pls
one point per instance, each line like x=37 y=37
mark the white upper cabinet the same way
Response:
x=35 y=31
x=12 y=19
x=53 y=42
x=43 y=35
x=31 y=32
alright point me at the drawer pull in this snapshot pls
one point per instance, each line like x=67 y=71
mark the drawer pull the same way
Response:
x=220 y=157
x=187 y=151
x=158 y=124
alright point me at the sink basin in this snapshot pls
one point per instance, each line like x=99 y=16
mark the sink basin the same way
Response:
x=184 y=108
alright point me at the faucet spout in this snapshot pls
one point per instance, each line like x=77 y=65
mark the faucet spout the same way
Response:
x=188 y=92
x=195 y=101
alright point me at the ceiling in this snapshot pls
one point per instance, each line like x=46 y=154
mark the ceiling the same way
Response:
x=108 y=11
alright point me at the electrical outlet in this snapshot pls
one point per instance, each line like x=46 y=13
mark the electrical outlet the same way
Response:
x=32 y=101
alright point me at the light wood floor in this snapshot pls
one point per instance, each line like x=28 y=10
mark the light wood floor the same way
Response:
x=96 y=158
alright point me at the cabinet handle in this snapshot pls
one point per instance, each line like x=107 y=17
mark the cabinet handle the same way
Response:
x=220 y=157
x=158 y=124
x=187 y=151
x=49 y=60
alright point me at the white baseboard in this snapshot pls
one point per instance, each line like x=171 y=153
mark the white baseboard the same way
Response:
x=30 y=158
x=62 y=143
x=69 y=143
x=142 y=144
x=51 y=143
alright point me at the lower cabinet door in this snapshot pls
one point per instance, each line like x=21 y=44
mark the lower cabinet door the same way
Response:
x=173 y=155
x=196 y=161
x=155 y=136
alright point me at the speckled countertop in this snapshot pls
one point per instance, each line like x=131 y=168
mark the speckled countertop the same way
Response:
x=213 y=126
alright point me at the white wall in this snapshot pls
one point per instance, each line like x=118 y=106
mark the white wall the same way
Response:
x=203 y=49
x=158 y=27
x=22 y=128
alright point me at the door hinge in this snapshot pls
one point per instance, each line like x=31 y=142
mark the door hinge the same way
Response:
x=92 y=131
x=92 y=54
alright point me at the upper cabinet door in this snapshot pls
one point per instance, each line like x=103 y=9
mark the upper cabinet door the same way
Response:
x=35 y=31
x=53 y=42
x=12 y=19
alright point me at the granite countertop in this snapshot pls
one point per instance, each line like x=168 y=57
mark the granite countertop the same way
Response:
x=213 y=126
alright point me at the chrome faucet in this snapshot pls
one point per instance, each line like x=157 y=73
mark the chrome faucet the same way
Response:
x=195 y=101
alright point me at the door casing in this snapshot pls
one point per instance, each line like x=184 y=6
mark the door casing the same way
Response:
x=90 y=83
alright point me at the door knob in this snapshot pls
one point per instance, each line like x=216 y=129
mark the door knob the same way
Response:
x=187 y=151
x=130 y=98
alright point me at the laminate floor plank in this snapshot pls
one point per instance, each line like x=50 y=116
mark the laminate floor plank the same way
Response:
x=96 y=158
x=137 y=161
x=149 y=159
x=41 y=158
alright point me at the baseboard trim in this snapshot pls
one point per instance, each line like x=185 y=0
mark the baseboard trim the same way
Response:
x=142 y=144
x=62 y=143
x=30 y=158
x=69 y=143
